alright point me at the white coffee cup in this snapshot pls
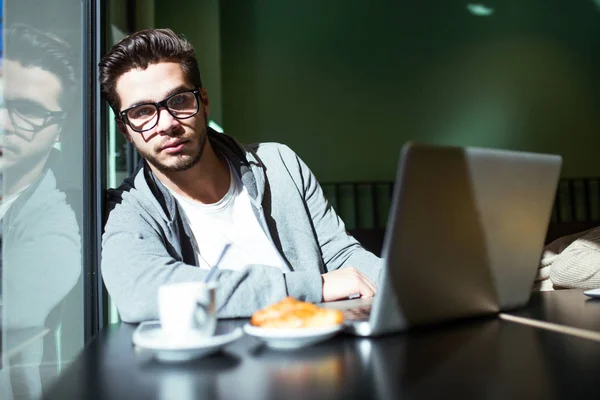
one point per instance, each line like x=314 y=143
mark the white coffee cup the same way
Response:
x=187 y=309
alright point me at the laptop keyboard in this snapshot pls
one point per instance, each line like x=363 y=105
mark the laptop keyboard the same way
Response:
x=357 y=314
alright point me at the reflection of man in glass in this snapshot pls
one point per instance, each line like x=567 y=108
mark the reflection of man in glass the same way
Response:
x=41 y=259
x=30 y=127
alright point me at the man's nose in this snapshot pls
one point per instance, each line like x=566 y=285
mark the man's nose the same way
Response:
x=166 y=122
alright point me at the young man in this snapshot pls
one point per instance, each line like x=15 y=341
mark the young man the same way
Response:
x=197 y=190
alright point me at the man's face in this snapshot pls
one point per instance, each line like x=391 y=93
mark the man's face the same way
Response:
x=27 y=94
x=173 y=144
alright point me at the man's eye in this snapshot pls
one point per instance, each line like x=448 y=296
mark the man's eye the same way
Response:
x=178 y=100
x=141 y=112
x=28 y=110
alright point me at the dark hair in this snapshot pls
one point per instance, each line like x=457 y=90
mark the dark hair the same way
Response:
x=35 y=48
x=140 y=49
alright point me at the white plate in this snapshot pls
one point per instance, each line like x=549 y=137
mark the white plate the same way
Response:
x=148 y=335
x=291 y=338
x=593 y=293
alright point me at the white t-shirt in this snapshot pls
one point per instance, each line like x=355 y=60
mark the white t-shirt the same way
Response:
x=230 y=220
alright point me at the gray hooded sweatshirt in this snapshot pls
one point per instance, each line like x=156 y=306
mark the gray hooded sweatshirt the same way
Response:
x=147 y=243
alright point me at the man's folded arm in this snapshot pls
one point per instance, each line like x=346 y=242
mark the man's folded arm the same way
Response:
x=574 y=260
x=134 y=265
x=578 y=265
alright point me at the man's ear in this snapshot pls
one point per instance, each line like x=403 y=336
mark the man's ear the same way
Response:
x=204 y=95
x=123 y=129
x=205 y=101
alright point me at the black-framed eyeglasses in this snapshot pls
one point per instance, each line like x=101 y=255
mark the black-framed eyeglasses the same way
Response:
x=143 y=117
x=28 y=116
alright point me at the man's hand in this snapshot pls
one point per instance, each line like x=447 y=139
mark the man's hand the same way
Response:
x=341 y=283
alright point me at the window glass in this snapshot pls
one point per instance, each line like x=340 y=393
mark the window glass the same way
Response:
x=41 y=132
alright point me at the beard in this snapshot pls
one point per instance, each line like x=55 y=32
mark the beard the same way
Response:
x=182 y=163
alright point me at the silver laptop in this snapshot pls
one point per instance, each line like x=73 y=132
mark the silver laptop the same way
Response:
x=465 y=234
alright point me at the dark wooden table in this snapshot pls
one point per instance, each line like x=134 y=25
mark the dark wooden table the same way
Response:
x=489 y=358
x=569 y=308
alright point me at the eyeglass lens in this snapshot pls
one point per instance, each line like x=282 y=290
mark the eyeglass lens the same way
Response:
x=26 y=116
x=145 y=116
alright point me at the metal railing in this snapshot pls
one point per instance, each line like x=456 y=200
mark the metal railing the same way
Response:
x=364 y=206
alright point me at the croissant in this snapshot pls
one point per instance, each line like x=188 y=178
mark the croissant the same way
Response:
x=291 y=313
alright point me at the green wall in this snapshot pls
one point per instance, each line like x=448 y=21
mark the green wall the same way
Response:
x=345 y=83
x=199 y=21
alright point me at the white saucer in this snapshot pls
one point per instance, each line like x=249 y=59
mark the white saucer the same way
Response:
x=291 y=338
x=593 y=293
x=148 y=335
